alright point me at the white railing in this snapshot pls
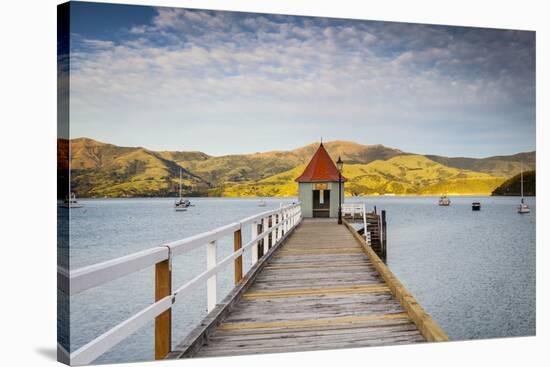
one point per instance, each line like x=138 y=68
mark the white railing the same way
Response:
x=355 y=210
x=276 y=224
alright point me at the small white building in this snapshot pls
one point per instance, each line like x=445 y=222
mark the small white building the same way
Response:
x=319 y=186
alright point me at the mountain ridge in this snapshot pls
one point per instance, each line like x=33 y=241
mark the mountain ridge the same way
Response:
x=101 y=169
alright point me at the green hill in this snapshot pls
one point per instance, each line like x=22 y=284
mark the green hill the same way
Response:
x=106 y=170
x=415 y=175
x=505 y=166
x=259 y=166
x=400 y=175
x=512 y=186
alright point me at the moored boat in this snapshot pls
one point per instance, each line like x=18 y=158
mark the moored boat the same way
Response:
x=70 y=202
x=476 y=205
x=444 y=201
x=182 y=204
x=523 y=208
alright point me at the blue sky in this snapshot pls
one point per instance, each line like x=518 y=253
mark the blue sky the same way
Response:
x=227 y=82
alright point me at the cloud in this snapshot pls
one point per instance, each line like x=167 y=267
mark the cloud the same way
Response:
x=198 y=65
x=97 y=44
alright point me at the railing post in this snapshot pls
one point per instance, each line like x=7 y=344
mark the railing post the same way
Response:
x=237 y=244
x=254 y=257
x=276 y=231
x=211 y=282
x=163 y=322
x=290 y=219
x=272 y=234
x=261 y=243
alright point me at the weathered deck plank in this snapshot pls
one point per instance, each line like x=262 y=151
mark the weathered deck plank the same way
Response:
x=318 y=291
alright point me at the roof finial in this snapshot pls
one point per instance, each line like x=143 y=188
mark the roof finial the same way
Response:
x=321 y=140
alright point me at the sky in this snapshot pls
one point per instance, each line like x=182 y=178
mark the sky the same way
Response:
x=230 y=82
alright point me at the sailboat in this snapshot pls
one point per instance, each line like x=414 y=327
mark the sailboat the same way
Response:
x=181 y=204
x=262 y=202
x=70 y=202
x=444 y=201
x=522 y=207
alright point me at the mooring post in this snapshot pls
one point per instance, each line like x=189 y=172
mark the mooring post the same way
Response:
x=163 y=322
x=237 y=244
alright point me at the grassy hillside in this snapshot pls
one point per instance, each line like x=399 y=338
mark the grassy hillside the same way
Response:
x=504 y=166
x=512 y=186
x=401 y=175
x=105 y=170
x=282 y=184
x=414 y=175
x=258 y=166
x=464 y=186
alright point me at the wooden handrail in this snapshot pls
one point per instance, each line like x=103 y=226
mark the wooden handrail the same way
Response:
x=92 y=276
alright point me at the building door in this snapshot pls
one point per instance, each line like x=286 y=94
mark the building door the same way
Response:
x=321 y=203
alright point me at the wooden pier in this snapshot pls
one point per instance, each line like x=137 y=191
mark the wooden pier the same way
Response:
x=313 y=285
x=318 y=291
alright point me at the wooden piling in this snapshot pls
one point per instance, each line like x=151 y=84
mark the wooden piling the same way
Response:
x=163 y=322
x=237 y=244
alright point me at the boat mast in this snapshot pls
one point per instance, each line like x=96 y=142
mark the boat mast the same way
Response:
x=522 y=182
x=180 y=183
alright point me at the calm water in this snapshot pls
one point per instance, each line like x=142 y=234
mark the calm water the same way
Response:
x=474 y=272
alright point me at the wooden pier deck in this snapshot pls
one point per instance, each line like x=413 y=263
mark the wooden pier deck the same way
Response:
x=313 y=284
x=318 y=290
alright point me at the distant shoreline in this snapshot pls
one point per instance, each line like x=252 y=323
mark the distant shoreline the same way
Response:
x=293 y=197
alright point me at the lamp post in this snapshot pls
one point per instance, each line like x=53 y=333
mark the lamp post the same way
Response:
x=340 y=165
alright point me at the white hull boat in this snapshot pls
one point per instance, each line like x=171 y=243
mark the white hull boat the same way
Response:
x=444 y=201
x=523 y=208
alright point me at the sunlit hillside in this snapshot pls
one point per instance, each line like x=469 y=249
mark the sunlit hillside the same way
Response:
x=106 y=170
x=282 y=184
x=413 y=175
x=401 y=175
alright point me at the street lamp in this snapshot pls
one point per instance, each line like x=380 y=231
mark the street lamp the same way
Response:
x=340 y=165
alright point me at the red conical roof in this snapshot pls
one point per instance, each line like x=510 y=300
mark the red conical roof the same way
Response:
x=320 y=168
